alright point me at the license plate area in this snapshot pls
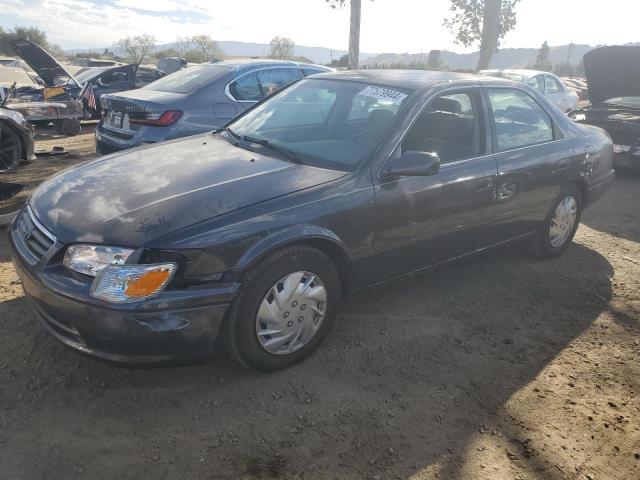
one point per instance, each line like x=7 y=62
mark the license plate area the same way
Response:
x=116 y=119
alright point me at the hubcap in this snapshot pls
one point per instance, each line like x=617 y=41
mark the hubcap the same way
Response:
x=291 y=313
x=563 y=221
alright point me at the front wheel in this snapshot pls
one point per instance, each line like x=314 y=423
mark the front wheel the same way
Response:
x=284 y=309
x=558 y=229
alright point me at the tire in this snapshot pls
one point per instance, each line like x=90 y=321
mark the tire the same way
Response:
x=10 y=148
x=545 y=245
x=242 y=330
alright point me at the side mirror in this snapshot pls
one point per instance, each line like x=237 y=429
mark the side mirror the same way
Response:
x=415 y=164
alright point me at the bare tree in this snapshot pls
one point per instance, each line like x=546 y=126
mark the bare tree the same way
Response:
x=282 y=47
x=207 y=48
x=183 y=45
x=354 y=29
x=484 y=21
x=137 y=48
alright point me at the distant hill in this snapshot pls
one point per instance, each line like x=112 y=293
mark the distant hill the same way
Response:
x=504 y=58
x=320 y=55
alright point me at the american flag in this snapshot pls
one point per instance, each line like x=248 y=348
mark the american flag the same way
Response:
x=90 y=96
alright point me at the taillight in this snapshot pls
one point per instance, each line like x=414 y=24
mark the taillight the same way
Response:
x=158 y=119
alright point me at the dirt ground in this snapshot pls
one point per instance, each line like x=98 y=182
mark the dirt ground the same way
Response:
x=498 y=367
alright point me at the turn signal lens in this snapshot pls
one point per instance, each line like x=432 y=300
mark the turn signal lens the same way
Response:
x=147 y=284
x=130 y=283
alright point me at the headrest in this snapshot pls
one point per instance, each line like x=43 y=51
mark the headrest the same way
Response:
x=445 y=105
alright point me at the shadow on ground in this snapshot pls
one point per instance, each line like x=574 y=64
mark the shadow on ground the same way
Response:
x=411 y=370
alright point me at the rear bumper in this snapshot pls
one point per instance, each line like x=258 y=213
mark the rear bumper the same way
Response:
x=170 y=329
x=598 y=190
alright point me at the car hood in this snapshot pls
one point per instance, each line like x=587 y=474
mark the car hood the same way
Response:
x=135 y=197
x=42 y=63
x=612 y=72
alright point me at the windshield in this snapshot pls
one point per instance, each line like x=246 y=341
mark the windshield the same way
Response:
x=633 y=102
x=187 y=80
x=326 y=123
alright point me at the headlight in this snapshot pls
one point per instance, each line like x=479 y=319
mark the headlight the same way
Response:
x=131 y=283
x=91 y=259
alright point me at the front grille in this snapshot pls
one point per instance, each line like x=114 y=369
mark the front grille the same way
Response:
x=34 y=239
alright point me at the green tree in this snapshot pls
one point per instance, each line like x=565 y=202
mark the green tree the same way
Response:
x=136 y=48
x=433 y=61
x=282 y=47
x=29 y=33
x=542 y=59
x=483 y=21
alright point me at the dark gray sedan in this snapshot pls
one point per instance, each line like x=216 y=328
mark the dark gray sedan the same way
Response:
x=339 y=182
x=194 y=100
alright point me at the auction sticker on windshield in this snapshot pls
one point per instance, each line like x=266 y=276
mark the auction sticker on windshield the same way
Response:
x=383 y=94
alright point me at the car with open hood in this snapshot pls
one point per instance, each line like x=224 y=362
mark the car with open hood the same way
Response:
x=192 y=100
x=57 y=100
x=613 y=79
x=253 y=233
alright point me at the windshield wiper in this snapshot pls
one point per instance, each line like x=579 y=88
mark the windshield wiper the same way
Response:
x=229 y=131
x=277 y=148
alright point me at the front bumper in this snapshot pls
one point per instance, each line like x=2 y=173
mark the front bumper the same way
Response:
x=175 y=327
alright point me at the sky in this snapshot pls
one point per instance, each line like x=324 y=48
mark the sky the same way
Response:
x=396 y=26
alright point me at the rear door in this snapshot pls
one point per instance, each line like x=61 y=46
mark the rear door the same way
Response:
x=533 y=158
x=421 y=221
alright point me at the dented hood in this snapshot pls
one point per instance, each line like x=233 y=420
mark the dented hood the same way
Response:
x=134 y=197
x=613 y=72
x=42 y=63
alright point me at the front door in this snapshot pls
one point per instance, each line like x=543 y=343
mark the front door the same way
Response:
x=421 y=221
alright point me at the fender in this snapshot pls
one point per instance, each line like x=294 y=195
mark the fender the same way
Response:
x=292 y=234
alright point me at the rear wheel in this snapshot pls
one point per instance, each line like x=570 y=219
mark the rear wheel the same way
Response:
x=10 y=148
x=558 y=229
x=284 y=310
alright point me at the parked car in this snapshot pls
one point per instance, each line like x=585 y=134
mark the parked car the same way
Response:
x=546 y=83
x=191 y=101
x=613 y=77
x=338 y=182
x=122 y=78
x=57 y=101
x=16 y=140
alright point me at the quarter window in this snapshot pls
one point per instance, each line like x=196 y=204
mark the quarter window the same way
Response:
x=449 y=126
x=519 y=120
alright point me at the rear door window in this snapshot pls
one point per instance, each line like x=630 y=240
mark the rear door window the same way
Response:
x=246 y=88
x=551 y=84
x=519 y=120
x=536 y=82
x=273 y=79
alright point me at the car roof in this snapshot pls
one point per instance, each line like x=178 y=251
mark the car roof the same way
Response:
x=525 y=72
x=412 y=79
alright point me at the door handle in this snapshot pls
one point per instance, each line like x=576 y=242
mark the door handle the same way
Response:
x=484 y=184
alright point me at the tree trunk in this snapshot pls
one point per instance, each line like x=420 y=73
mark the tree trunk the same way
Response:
x=490 y=32
x=354 y=35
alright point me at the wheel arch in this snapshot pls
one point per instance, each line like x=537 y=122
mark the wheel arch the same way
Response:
x=582 y=185
x=320 y=238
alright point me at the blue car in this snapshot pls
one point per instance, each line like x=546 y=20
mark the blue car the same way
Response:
x=191 y=101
